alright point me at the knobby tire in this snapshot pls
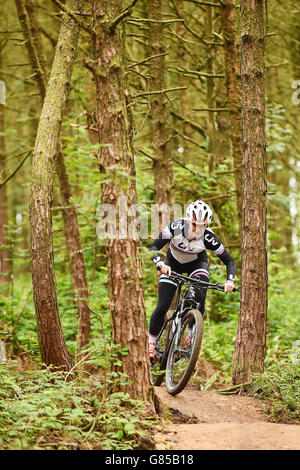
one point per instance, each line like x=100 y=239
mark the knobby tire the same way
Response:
x=175 y=388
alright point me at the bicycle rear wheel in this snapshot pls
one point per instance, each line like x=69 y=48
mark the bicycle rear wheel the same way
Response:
x=159 y=366
x=182 y=357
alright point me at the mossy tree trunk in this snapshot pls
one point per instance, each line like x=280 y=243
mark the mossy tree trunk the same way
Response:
x=182 y=81
x=5 y=265
x=160 y=112
x=210 y=91
x=30 y=28
x=232 y=72
x=52 y=345
x=250 y=345
x=75 y=253
x=116 y=159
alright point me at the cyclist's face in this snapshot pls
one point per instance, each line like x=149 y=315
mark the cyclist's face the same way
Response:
x=198 y=228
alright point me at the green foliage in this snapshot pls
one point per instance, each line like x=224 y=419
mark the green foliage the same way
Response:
x=280 y=383
x=42 y=409
x=278 y=133
x=218 y=343
x=280 y=386
x=284 y=308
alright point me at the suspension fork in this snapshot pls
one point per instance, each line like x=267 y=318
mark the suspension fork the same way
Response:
x=177 y=317
x=180 y=284
x=173 y=331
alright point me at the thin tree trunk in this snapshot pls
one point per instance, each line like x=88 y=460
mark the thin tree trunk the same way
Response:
x=5 y=265
x=231 y=52
x=250 y=345
x=36 y=36
x=31 y=47
x=182 y=81
x=211 y=122
x=162 y=145
x=30 y=28
x=76 y=258
x=127 y=307
x=51 y=340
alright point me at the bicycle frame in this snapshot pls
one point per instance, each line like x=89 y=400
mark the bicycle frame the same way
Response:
x=177 y=314
x=172 y=318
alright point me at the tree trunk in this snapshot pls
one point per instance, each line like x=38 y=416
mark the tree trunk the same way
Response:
x=51 y=340
x=161 y=141
x=250 y=345
x=36 y=35
x=210 y=98
x=229 y=26
x=182 y=82
x=75 y=254
x=5 y=266
x=127 y=308
x=30 y=28
x=31 y=45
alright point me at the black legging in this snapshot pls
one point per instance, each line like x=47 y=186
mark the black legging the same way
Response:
x=167 y=288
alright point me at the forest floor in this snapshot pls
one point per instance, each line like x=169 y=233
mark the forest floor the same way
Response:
x=212 y=421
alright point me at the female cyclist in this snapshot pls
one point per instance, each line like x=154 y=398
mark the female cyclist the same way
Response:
x=188 y=239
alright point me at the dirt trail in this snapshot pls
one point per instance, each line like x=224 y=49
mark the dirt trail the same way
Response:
x=219 y=422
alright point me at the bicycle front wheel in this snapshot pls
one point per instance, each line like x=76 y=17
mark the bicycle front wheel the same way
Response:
x=184 y=352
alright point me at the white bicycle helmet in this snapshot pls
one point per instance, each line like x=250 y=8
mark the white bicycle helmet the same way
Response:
x=199 y=212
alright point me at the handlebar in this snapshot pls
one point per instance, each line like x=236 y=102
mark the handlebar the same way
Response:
x=209 y=285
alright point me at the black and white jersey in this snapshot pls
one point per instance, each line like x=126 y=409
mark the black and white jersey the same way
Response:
x=184 y=247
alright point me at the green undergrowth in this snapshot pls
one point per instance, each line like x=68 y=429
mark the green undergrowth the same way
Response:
x=279 y=387
x=43 y=409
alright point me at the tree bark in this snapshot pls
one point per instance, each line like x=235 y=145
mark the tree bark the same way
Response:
x=161 y=140
x=250 y=345
x=231 y=53
x=182 y=81
x=51 y=340
x=116 y=159
x=30 y=28
x=30 y=6
x=210 y=99
x=75 y=253
x=31 y=45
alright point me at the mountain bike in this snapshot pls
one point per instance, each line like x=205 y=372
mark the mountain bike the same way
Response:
x=179 y=340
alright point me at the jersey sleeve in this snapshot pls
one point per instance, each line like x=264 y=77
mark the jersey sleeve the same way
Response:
x=163 y=238
x=212 y=243
x=173 y=229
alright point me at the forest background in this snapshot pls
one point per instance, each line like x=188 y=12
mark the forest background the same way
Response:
x=35 y=409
